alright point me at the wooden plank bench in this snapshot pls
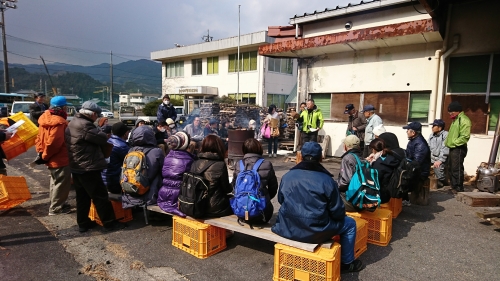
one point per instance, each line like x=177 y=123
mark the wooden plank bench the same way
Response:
x=259 y=231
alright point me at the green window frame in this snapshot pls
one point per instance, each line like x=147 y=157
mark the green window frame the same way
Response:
x=196 y=67
x=248 y=62
x=493 y=114
x=474 y=74
x=418 y=110
x=249 y=98
x=324 y=103
x=174 y=69
x=277 y=99
x=212 y=65
x=280 y=65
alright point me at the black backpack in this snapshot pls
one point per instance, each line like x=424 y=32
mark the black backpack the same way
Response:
x=193 y=198
x=403 y=178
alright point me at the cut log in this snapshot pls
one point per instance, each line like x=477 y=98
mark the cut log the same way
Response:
x=489 y=213
x=479 y=199
x=496 y=221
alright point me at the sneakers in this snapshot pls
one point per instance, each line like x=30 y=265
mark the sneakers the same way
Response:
x=354 y=266
x=114 y=227
x=274 y=155
x=66 y=209
x=406 y=203
x=83 y=229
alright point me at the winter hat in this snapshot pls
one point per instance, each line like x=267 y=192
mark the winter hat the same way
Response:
x=58 y=101
x=379 y=129
x=178 y=141
x=312 y=149
x=454 y=106
x=107 y=129
x=92 y=106
x=102 y=121
x=119 y=129
x=169 y=121
x=351 y=141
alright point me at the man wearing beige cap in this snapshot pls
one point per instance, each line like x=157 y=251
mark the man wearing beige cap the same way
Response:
x=348 y=167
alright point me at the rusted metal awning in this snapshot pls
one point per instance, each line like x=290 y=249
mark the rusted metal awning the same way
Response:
x=406 y=33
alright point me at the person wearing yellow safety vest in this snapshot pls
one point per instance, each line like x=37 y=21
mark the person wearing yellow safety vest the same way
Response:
x=312 y=121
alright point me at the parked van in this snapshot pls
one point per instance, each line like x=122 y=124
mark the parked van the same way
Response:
x=23 y=106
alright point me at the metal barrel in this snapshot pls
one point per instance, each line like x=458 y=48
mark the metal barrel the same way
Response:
x=235 y=144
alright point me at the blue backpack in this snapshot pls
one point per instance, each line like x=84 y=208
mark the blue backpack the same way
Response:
x=248 y=202
x=364 y=187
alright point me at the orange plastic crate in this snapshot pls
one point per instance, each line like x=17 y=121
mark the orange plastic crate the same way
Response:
x=13 y=147
x=395 y=205
x=360 y=246
x=28 y=130
x=198 y=239
x=292 y=264
x=13 y=191
x=379 y=225
x=122 y=215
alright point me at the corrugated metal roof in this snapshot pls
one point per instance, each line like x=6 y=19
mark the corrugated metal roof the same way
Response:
x=343 y=10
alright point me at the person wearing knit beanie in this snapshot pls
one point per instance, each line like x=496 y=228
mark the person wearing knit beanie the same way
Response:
x=456 y=141
x=178 y=141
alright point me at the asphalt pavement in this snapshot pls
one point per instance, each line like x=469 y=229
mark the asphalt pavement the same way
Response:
x=441 y=241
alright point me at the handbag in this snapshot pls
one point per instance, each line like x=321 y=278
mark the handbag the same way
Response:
x=265 y=131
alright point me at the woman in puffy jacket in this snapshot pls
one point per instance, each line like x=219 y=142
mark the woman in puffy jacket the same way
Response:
x=252 y=150
x=177 y=162
x=211 y=166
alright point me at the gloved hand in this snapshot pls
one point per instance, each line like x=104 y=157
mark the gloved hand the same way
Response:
x=39 y=160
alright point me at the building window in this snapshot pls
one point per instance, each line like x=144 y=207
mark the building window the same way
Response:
x=248 y=62
x=213 y=65
x=323 y=102
x=175 y=69
x=249 y=98
x=473 y=74
x=176 y=97
x=419 y=107
x=196 y=67
x=280 y=65
x=277 y=99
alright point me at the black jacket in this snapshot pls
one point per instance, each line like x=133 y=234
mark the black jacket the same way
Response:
x=418 y=149
x=385 y=167
x=84 y=141
x=217 y=175
x=36 y=111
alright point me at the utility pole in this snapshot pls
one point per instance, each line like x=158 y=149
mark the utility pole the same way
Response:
x=4 y=4
x=238 y=60
x=111 y=85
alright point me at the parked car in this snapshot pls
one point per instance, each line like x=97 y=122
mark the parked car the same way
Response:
x=23 y=106
x=107 y=113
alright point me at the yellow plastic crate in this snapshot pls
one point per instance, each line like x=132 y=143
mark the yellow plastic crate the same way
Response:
x=27 y=130
x=198 y=239
x=13 y=191
x=122 y=215
x=395 y=205
x=13 y=147
x=292 y=264
x=360 y=246
x=379 y=225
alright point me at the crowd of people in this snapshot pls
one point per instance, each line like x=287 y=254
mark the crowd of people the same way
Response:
x=92 y=157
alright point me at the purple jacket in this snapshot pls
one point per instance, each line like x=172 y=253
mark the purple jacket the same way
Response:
x=176 y=163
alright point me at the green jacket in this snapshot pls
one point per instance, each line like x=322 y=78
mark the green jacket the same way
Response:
x=311 y=120
x=459 y=132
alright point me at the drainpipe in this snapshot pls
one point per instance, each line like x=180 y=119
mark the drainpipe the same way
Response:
x=434 y=95
x=456 y=40
x=296 y=30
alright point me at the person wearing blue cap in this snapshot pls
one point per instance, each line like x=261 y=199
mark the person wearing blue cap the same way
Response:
x=38 y=107
x=373 y=120
x=417 y=149
x=52 y=151
x=439 y=151
x=311 y=208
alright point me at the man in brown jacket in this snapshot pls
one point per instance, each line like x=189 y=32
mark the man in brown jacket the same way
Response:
x=53 y=152
x=357 y=124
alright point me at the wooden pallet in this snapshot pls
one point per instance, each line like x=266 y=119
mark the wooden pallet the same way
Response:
x=479 y=199
x=491 y=214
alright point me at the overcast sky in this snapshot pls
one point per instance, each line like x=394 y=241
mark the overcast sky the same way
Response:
x=133 y=29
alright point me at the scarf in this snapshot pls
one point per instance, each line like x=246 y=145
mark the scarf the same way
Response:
x=59 y=112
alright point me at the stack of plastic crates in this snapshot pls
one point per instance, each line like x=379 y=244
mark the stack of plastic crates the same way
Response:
x=122 y=215
x=198 y=239
x=360 y=246
x=292 y=264
x=23 y=139
x=13 y=191
x=395 y=206
x=379 y=225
